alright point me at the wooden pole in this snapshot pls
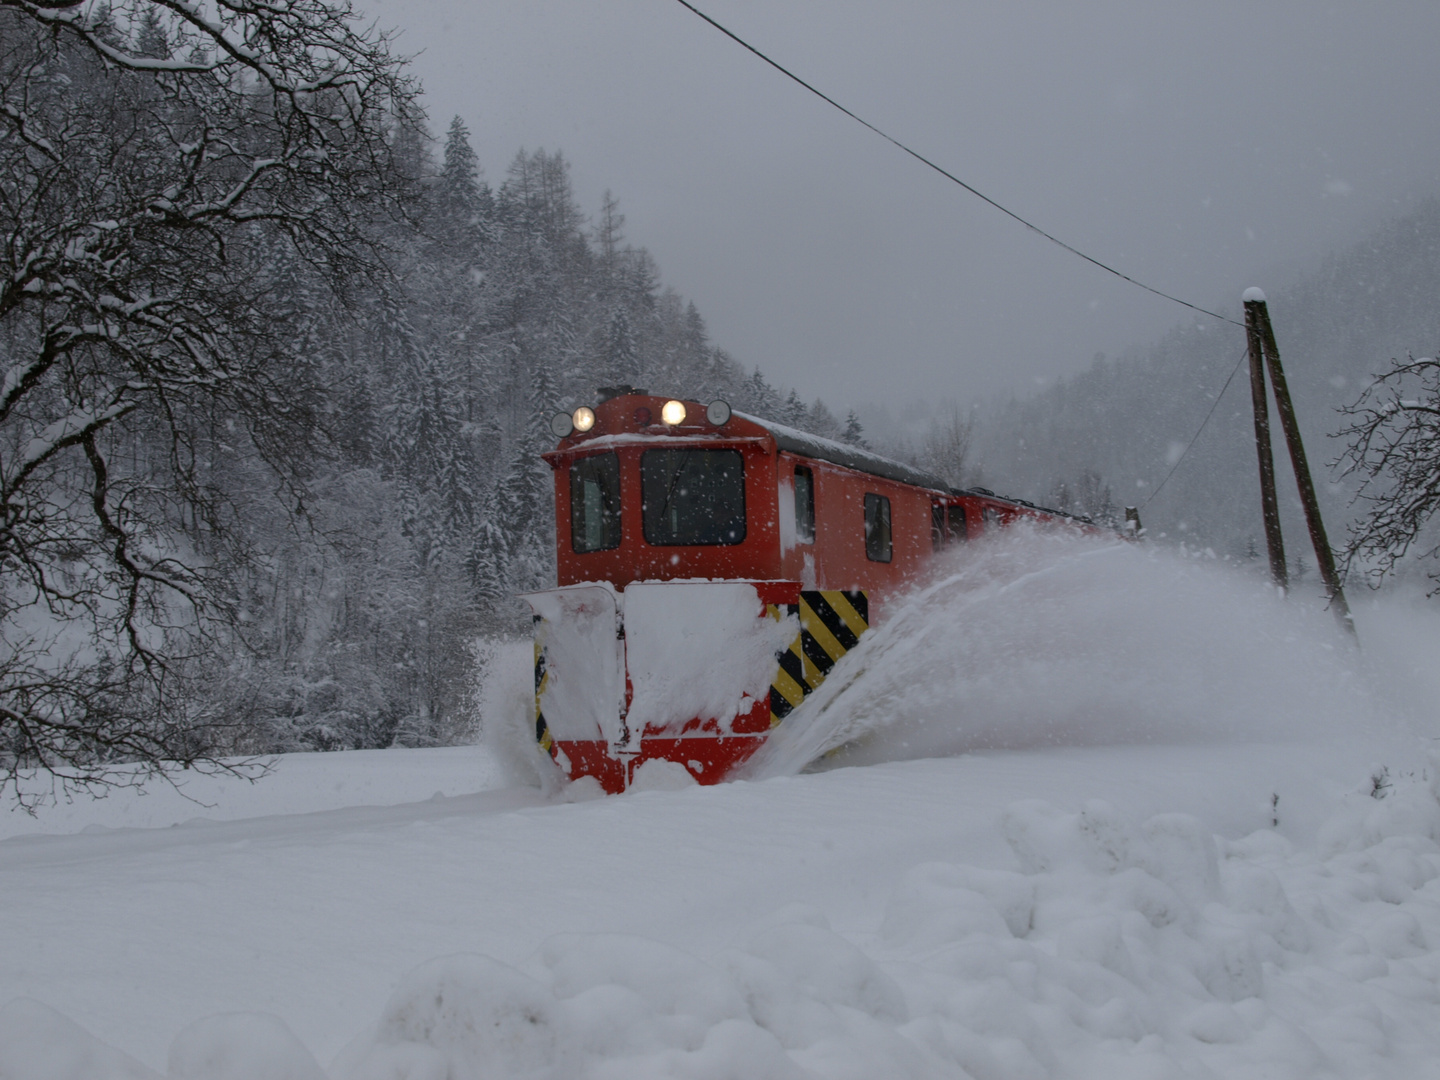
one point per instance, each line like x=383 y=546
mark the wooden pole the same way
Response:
x=1269 y=508
x=1323 y=555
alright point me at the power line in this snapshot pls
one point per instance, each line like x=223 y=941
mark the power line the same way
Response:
x=1213 y=405
x=951 y=176
x=1008 y=213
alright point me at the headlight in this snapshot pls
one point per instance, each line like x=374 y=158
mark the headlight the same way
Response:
x=673 y=413
x=561 y=425
x=717 y=412
x=583 y=418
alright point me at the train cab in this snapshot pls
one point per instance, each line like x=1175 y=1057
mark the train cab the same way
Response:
x=717 y=494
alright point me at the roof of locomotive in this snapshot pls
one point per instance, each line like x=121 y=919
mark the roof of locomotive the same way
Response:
x=787 y=438
x=866 y=461
x=617 y=428
x=852 y=457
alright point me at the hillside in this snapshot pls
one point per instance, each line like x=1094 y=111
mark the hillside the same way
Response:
x=1126 y=421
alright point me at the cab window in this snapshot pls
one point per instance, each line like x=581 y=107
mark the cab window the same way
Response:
x=595 y=503
x=878 y=545
x=693 y=496
x=804 y=504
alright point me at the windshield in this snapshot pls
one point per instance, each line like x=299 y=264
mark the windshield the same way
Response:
x=693 y=496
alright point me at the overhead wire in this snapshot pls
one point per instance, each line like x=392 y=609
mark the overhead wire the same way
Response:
x=1008 y=213
x=951 y=176
x=1213 y=406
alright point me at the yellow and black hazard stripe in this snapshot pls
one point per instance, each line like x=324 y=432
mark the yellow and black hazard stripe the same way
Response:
x=831 y=622
x=542 y=729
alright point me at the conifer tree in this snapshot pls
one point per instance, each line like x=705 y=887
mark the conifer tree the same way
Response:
x=459 y=198
x=854 y=433
x=622 y=359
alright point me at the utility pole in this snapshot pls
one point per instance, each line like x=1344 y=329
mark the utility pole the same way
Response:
x=1133 y=529
x=1269 y=508
x=1257 y=314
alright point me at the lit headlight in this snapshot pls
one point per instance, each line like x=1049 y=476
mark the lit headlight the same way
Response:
x=583 y=418
x=561 y=425
x=673 y=412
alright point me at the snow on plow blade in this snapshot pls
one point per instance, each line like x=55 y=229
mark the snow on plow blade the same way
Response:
x=694 y=673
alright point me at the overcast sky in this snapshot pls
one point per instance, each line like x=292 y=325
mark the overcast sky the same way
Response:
x=1199 y=145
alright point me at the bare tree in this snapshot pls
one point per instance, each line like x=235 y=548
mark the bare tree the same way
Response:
x=1394 y=447
x=181 y=185
x=946 y=447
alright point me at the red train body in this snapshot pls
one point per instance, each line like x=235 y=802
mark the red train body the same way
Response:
x=710 y=572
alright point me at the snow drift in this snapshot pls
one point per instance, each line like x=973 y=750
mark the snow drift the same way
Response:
x=1111 y=947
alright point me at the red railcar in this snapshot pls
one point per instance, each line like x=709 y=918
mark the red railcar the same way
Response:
x=712 y=567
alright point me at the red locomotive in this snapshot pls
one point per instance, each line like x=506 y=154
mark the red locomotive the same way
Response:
x=712 y=568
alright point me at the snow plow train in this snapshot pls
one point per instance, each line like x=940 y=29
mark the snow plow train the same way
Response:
x=712 y=569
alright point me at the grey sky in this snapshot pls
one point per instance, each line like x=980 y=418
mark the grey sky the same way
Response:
x=1199 y=146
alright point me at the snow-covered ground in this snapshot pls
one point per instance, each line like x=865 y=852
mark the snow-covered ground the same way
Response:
x=1099 y=812
x=294 y=784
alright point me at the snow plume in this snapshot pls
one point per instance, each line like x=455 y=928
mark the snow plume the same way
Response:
x=504 y=696
x=1039 y=639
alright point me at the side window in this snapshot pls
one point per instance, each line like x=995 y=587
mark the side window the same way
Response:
x=595 y=503
x=957 y=523
x=878 y=545
x=947 y=524
x=804 y=504
x=991 y=516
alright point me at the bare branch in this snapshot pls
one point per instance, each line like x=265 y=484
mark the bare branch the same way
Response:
x=1394 y=448
x=157 y=215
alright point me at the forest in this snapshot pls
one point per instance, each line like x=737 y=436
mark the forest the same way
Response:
x=428 y=508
